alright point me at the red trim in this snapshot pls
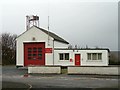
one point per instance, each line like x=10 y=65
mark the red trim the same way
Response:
x=48 y=50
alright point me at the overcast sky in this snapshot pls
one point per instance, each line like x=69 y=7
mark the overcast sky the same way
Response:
x=82 y=22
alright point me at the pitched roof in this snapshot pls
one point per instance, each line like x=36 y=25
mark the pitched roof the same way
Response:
x=56 y=37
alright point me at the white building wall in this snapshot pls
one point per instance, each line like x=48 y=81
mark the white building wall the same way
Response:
x=100 y=70
x=103 y=62
x=63 y=62
x=84 y=61
x=60 y=45
x=27 y=37
x=19 y=53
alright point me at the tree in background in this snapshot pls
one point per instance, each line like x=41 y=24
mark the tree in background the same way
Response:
x=0 y=49
x=8 y=48
x=114 y=60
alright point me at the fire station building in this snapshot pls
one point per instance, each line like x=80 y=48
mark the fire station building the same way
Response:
x=37 y=46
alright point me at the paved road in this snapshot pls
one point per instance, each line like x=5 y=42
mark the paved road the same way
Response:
x=12 y=74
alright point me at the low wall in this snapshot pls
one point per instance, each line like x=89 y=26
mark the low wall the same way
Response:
x=93 y=70
x=44 y=69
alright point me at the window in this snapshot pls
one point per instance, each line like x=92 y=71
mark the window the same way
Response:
x=94 y=56
x=64 y=56
x=40 y=55
x=34 y=54
x=39 y=49
x=61 y=56
x=29 y=54
x=99 y=56
x=34 y=58
x=89 y=56
x=29 y=50
x=34 y=49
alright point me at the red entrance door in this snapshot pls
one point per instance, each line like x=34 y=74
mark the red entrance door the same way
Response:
x=77 y=59
x=34 y=53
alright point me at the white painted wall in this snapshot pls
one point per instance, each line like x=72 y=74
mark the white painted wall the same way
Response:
x=44 y=69
x=93 y=70
x=63 y=62
x=84 y=61
x=27 y=37
x=58 y=44
x=103 y=62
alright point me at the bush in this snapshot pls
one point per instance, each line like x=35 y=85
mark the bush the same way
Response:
x=111 y=62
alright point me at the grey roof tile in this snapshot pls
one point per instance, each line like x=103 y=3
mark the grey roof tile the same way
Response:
x=56 y=37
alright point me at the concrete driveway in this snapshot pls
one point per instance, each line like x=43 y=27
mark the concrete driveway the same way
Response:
x=12 y=74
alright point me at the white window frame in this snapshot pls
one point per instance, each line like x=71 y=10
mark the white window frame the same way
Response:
x=91 y=59
x=64 y=57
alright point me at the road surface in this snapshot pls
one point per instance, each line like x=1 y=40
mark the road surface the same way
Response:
x=14 y=75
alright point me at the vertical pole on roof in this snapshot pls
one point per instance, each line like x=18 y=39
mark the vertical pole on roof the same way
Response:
x=26 y=22
x=48 y=33
x=48 y=26
x=38 y=24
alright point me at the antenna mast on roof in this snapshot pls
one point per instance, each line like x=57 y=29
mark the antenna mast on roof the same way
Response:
x=48 y=33
x=48 y=26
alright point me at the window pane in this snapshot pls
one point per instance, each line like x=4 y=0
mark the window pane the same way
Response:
x=40 y=55
x=29 y=54
x=99 y=56
x=39 y=49
x=66 y=56
x=29 y=50
x=89 y=56
x=61 y=56
x=34 y=49
x=34 y=54
x=94 y=56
